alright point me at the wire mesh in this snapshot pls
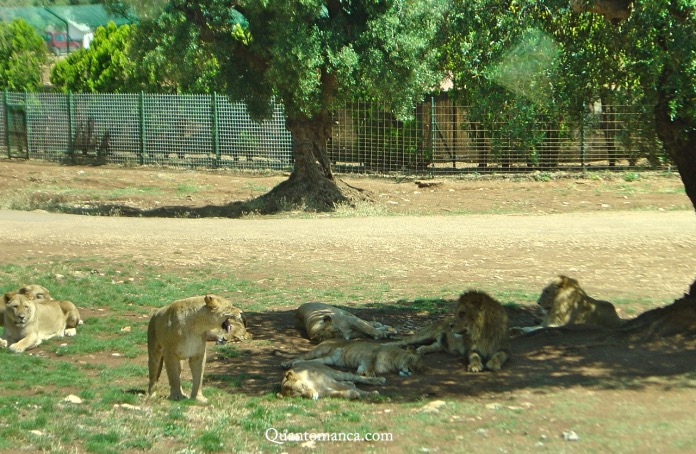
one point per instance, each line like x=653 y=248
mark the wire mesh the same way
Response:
x=443 y=137
x=210 y=131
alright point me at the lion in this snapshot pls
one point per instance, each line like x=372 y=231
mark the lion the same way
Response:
x=482 y=322
x=35 y=292
x=322 y=321
x=564 y=302
x=32 y=291
x=28 y=322
x=179 y=331
x=234 y=331
x=312 y=381
x=369 y=358
x=438 y=337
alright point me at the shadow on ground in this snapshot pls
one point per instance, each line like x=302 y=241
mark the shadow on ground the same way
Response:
x=561 y=357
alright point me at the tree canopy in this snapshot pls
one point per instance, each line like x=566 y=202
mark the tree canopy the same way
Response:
x=311 y=56
x=22 y=55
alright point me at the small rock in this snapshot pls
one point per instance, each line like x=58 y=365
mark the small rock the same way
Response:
x=127 y=407
x=432 y=407
x=72 y=399
x=570 y=435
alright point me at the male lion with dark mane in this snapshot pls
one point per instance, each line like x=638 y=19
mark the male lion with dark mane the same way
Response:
x=564 y=302
x=312 y=381
x=482 y=321
x=322 y=321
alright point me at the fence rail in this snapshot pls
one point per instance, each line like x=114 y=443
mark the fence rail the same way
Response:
x=210 y=131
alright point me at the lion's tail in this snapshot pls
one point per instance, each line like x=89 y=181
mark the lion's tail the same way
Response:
x=283 y=354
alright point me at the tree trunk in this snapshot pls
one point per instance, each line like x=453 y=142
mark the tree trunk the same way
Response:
x=311 y=186
x=678 y=136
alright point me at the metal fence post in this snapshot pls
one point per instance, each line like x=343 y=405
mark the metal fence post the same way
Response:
x=433 y=125
x=71 y=125
x=215 y=131
x=582 y=137
x=6 y=102
x=27 y=122
x=141 y=114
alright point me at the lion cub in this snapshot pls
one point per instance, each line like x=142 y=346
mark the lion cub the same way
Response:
x=369 y=358
x=565 y=303
x=179 y=331
x=312 y=381
x=322 y=321
x=482 y=321
x=27 y=322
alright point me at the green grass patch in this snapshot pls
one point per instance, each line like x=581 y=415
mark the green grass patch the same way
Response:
x=97 y=365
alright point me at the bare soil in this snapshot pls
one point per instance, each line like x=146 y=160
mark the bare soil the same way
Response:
x=627 y=241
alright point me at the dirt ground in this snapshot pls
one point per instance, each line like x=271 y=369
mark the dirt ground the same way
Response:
x=630 y=243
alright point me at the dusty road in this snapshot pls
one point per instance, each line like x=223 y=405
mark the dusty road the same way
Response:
x=631 y=254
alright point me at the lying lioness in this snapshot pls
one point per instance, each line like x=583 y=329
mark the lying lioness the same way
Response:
x=369 y=358
x=28 y=322
x=311 y=380
x=322 y=322
x=32 y=291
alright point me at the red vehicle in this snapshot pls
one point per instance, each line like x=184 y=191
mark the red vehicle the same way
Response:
x=57 y=43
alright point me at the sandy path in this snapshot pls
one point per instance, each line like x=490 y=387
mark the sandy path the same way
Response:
x=610 y=251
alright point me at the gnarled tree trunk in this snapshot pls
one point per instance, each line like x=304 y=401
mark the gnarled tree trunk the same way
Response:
x=311 y=186
x=678 y=136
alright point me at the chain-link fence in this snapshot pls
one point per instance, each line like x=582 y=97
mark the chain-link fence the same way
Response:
x=209 y=131
x=442 y=137
x=137 y=129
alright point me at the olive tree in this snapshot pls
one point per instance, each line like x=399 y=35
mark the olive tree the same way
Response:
x=310 y=55
x=659 y=39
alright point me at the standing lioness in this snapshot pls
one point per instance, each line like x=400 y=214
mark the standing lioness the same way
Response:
x=179 y=331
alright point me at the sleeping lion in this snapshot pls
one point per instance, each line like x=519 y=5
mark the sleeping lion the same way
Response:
x=368 y=358
x=312 y=381
x=322 y=321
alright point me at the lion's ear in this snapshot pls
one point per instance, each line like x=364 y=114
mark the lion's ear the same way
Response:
x=327 y=318
x=7 y=297
x=211 y=302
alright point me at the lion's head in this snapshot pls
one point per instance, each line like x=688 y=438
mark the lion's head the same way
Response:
x=34 y=292
x=411 y=362
x=19 y=310
x=562 y=291
x=477 y=314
